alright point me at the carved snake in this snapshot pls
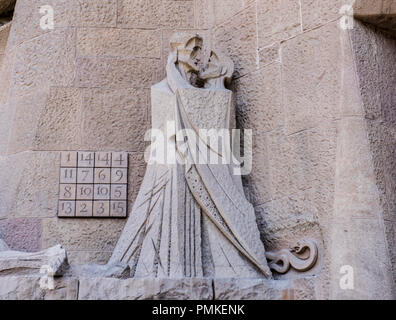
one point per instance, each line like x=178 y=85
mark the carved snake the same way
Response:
x=282 y=260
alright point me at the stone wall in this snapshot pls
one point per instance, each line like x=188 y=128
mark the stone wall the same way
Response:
x=323 y=152
x=313 y=175
x=85 y=85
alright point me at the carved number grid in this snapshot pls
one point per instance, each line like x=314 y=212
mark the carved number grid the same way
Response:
x=93 y=184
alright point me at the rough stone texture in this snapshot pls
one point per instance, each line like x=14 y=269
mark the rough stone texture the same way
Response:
x=277 y=20
x=238 y=39
x=377 y=80
x=59 y=124
x=81 y=234
x=258 y=99
x=107 y=117
x=67 y=13
x=34 y=181
x=249 y=289
x=311 y=78
x=317 y=13
x=51 y=62
x=118 y=42
x=28 y=288
x=109 y=72
x=23 y=234
x=295 y=169
x=156 y=13
x=143 y=289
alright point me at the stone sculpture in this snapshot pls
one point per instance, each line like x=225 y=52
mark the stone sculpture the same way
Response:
x=16 y=262
x=301 y=258
x=191 y=219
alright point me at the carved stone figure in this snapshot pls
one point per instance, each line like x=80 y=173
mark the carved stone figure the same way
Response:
x=301 y=258
x=191 y=219
x=16 y=262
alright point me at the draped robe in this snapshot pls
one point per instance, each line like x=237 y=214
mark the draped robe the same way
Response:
x=191 y=219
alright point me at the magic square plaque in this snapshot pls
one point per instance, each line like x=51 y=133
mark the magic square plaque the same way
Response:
x=93 y=185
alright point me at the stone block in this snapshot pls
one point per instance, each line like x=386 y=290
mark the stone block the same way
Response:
x=25 y=120
x=118 y=42
x=83 y=257
x=82 y=234
x=110 y=72
x=249 y=289
x=35 y=181
x=311 y=78
x=177 y=14
x=108 y=116
x=259 y=101
x=67 y=13
x=277 y=20
x=28 y=288
x=145 y=289
x=318 y=13
x=239 y=40
x=59 y=126
x=139 y=13
x=226 y=9
x=287 y=214
x=269 y=54
x=51 y=62
x=204 y=14
x=154 y=13
x=23 y=234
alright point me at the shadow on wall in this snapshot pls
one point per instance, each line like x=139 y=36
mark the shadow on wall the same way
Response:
x=6 y=11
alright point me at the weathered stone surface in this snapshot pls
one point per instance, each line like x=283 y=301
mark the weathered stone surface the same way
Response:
x=269 y=54
x=23 y=234
x=376 y=85
x=35 y=183
x=258 y=99
x=51 y=62
x=144 y=289
x=204 y=14
x=118 y=42
x=177 y=13
x=82 y=234
x=249 y=289
x=24 y=121
x=28 y=288
x=154 y=13
x=59 y=125
x=107 y=117
x=311 y=83
x=317 y=13
x=259 y=108
x=83 y=257
x=226 y=9
x=67 y=13
x=108 y=72
x=277 y=20
x=238 y=39
x=358 y=218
